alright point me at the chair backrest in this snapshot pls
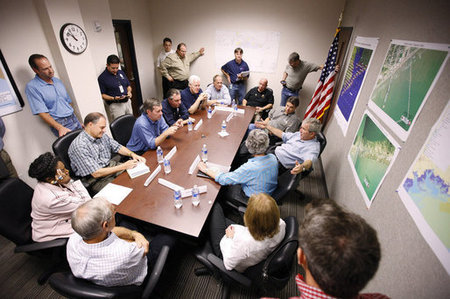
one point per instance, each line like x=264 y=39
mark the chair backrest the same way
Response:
x=15 y=210
x=287 y=182
x=69 y=286
x=322 y=140
x=122 y=127
x=61 y=148
x=275 y=271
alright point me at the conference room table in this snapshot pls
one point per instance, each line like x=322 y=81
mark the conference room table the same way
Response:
x=154 y=204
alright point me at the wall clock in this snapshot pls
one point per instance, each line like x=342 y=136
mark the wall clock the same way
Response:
x=73 y=38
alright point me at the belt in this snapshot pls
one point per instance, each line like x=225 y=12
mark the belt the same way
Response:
x=117 y=101
x=293 y=90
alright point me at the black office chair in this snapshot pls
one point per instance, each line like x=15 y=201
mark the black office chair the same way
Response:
x=271 y=274
x=122 y=127
x=61 y=147
x=69 y=286
x=15 y=225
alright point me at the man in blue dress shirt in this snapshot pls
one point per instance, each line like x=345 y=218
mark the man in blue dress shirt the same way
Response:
x=49 y=99
x=233 y=71
x=150 y=129
x=299 y=149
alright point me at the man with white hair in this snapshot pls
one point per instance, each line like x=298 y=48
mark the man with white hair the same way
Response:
x=217 y=92
x=107 y=254
x=192 y=96
x=258 y=175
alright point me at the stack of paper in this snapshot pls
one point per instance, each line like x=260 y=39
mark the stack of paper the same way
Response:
x=140 y=169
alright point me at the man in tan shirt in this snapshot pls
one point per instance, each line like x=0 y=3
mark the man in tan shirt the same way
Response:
x=175 y=67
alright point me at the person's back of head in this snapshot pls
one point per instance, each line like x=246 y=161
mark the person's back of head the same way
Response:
x=88 y=218
x=341 y=249
x=262 y=216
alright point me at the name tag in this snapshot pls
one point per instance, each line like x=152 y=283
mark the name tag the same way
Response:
x=121 y=89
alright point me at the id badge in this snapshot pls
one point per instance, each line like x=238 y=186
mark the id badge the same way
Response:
x=121 y=89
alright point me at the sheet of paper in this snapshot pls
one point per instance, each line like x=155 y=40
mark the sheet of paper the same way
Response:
x=229 y=109
x=194 y=164
x=217 y=167
x=169 y=185
x=171 y=153
x=198 y=125
x=114 y=193
x=188 y=192
x=152 y=176
x=139 y=170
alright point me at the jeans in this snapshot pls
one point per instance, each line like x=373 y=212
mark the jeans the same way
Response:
x=286 y=94
x=237 y=91
x=70 y=122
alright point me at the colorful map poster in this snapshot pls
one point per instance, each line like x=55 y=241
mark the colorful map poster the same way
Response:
x=355 y=75
x=424 y=191
x=371 y=156
x=407 y=77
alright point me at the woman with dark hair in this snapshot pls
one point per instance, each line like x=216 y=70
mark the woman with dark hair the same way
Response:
x=55 y=197
x=240 y=246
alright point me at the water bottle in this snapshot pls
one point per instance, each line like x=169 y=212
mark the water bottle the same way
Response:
x=209 y=112
x=167 y=168
x=195 y=196
x=204 y=153
x=177 y=201
x=190 y=125
x=159 y=155
x=224 y=126
x=235 y=107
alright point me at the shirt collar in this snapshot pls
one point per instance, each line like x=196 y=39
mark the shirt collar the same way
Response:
x=151 y=121
x=310 y=292
x=42 y=81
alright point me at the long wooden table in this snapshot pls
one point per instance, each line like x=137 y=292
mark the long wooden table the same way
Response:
x=154 y=203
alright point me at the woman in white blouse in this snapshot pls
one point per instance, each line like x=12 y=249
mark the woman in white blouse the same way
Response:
x=243 y=246
x=55 y=197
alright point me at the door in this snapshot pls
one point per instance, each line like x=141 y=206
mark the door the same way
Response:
x=127 y=56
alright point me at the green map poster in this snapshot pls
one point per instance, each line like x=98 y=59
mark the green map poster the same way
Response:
x=425 y=189
x=371 y=156
x=407 y=77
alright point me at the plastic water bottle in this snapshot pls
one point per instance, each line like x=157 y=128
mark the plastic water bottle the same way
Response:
x=159 y=155
x=195 y=196
x=204 y=153
x=167 y=168
x=190 y=125
x=234 y=106
x=209 y=112
x=224 y=126
x=177 y=201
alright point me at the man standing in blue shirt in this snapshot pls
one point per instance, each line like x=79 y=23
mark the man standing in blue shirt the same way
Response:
x=233 y=71
x=150 y=129
x=48 y=97
x=115 y=88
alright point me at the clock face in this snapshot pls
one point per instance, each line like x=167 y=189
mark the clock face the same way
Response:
x=73 y=38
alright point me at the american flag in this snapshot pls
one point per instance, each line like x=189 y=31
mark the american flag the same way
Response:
x=321 y=99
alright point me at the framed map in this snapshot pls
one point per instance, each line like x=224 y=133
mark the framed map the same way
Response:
x=425 y=189
x=371 y=156
x=10 y=99
x=407 y=77
x=355 y=75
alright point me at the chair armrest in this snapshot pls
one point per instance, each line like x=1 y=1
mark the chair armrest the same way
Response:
x=233 y=274
x=156 y=272
x=41 y=245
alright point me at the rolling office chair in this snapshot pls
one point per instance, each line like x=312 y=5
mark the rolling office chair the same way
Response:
x=271 y=274
x=61 y=148
x=68 y=285
x=122 y=127
x=15 y=225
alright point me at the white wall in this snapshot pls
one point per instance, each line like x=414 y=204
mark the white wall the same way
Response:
x=28 y=27
x=305 y=26
x=408 y=269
